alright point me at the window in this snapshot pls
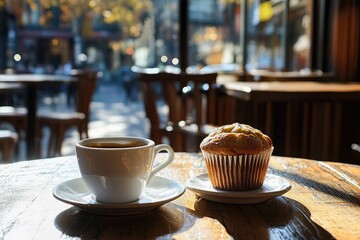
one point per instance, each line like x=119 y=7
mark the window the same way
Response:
x=278 y=35
x=233 y=35
x=221 y=35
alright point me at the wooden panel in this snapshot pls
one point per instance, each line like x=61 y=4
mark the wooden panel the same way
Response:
x=346 y=33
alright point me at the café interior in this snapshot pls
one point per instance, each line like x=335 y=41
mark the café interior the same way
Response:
x=240 y=41
x=181 y=69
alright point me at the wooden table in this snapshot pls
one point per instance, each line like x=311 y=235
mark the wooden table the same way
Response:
x=323 y=203
x=309 y=114
x=32 y=82
x=287 y=91
x=266 y=75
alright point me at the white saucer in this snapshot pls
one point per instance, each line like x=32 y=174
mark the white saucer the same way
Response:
x=158 y=192
x=273 y=186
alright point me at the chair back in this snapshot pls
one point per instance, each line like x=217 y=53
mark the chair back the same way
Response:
x=190 y=99
x=85 y=88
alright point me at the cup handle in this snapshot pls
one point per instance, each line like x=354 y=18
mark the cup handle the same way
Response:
x=164 y=164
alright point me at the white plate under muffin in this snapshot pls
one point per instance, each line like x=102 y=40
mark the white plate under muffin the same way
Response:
x=273 y=186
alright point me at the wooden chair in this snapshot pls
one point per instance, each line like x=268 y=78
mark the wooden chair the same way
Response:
x=191 y=101
x=15 y=116
x=59 y=122
x=8 y=141
x=11 y=114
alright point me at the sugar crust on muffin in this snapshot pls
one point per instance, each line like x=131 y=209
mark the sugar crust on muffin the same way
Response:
x=236 y=139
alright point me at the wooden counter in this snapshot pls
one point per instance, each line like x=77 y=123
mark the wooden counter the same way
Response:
x=307 y=119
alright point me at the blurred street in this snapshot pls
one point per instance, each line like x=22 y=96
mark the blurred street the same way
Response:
x=112 y=114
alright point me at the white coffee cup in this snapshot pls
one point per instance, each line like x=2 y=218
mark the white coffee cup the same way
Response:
x=117 y=169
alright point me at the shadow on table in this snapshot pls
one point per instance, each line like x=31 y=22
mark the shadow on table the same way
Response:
x=322 y=187
x=281 y=217
x=167 y=219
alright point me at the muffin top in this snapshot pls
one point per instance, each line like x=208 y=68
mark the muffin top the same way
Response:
x=236 y=139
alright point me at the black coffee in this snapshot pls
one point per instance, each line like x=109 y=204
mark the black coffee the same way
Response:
x=125 y=144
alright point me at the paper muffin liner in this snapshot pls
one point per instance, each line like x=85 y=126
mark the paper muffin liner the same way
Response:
x=237 y=173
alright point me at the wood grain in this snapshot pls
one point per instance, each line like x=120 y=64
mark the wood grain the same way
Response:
x=324 y=203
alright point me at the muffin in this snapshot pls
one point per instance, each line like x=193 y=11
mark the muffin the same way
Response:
x=237 y=157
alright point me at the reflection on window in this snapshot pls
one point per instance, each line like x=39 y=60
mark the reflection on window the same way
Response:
x=278 y=35
x=275 y=35
x=214 y=34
